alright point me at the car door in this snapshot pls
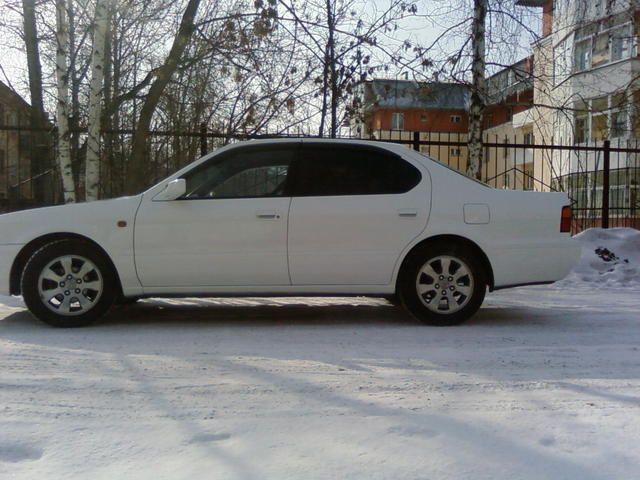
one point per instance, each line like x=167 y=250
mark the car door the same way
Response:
x=354 y=209
x=229 y=229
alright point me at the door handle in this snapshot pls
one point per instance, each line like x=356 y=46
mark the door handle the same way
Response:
x=267 y=214
x=408 y=212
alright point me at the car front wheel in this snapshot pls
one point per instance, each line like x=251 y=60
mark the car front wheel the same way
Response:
x=442 y=285
x=68 y=283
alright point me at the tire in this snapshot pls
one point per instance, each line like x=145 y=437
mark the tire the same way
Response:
x=126 y=301
x=423 y=280
x=69 y=283
x=394 y=300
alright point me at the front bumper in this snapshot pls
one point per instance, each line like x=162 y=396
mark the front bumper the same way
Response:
x=8 y=254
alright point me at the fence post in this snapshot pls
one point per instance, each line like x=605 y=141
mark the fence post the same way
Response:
x=416 y=141
x=203 y=139
x=605 y=184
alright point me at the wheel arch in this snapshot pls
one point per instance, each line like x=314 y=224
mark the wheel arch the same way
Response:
x=37 y=243
x=457 y=240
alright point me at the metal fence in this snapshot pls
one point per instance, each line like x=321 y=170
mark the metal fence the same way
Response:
x=602 y=179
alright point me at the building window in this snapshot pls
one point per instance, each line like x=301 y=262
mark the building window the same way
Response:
x=599 y=48
x=456 y=119
x=2 y=115
x=423 y=117
x=599 y=108
x=528 y=138
x=621 y=43
x=601 y=118
x=582 y=129
x=528 y=183
x=3 y=163
x=581 y=111
x=509 y=114
x=581 y=55
x=618 y=124
x=455 y=152
x=397 y=121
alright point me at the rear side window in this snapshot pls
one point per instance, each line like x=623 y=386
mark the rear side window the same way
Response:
x=326 y=170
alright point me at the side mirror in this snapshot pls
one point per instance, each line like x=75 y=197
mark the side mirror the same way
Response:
x=174 y=190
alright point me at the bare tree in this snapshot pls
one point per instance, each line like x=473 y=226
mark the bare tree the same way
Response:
x=136 y=172
x=478 y=88
x=32 y=43
x=38 y=115
x=341 y=36
x=96 y=94
x=62 y=109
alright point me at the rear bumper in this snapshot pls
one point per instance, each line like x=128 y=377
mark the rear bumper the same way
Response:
x=534 y=263
x=8 y=254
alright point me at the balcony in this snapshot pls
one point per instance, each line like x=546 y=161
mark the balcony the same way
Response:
x=522 y=119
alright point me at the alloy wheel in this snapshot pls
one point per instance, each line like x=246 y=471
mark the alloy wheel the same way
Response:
x=445 y=284
x=70 y=285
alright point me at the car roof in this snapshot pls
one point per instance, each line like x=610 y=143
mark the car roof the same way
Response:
x=395 y=147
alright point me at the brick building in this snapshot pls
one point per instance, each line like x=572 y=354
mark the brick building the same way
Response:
x=26 y=178
x=394 y=109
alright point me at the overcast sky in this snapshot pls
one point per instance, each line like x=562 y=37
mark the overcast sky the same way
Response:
x=434 y=17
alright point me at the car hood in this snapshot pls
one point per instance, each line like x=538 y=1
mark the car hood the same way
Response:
x=89 y=219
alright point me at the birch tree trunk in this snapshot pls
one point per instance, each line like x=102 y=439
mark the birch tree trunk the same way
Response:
x=96 y=93
x=76 y=77
x=62 y=107
x=478 y=89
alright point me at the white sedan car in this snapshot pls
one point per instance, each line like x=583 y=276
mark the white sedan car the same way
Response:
x=291 y=217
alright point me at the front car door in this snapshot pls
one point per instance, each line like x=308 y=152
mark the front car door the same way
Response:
x=230 y=229
x=354 y=210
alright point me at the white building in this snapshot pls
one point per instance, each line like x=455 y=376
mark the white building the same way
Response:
x=586 y=91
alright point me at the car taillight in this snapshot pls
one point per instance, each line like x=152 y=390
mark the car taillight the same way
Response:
x=565 y=221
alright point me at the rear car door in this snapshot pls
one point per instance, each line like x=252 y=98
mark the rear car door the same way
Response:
x=354 y=209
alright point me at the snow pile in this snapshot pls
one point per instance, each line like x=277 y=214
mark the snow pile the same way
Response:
x=11 y=302
x=609 y=258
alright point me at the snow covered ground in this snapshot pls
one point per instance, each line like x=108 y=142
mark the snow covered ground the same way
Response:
x=544 y=383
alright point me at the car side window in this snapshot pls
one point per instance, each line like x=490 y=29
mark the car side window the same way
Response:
x=241 y=173
x=327 y=170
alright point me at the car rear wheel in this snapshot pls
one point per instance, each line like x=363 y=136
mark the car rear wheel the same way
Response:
x=68 y=283
x=442 y=285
